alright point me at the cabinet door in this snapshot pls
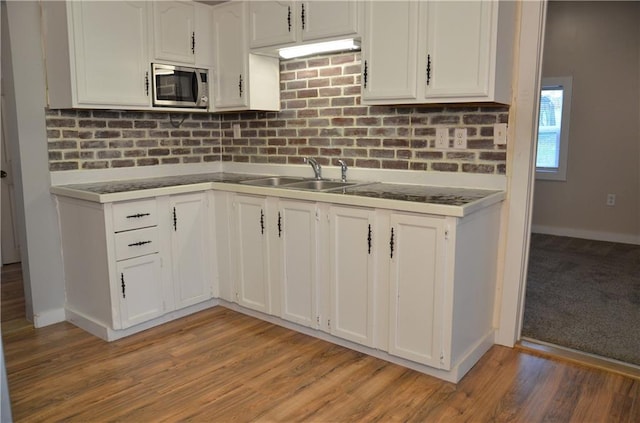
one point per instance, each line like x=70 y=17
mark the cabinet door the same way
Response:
x=459 y=40
x=230 y=56
x=140 y=287
x=416 y=288
x=174 y=31
x=272 y=23
x=297 y=235
x=328 y=19
x=112 y=66
x=389 y=51
x=251 y=252
x=189 y=249
x=352 y=296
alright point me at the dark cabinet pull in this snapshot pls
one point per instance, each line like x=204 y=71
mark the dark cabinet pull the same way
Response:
x=193 y=43
x=139 y=243
x=428 y=69
x=289 y=18
x=279 y=225
x=122 y=284
x=391 y=242
x=262 y=221
x=138 y=215
x=369 y=240
x=365 y=74
x=146 y=83
x=175 y=220
x=302 y=16
x=240 y=85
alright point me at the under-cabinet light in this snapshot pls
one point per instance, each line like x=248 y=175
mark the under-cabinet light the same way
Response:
x=325 y=47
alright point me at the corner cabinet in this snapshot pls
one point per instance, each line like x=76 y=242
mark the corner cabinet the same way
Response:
x=437 y=51
x=278 y=24
x=190 y=250
x=242 y=81
x=251 y=258
x=85 y=68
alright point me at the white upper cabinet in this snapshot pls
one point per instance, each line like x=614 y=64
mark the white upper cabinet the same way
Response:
x=390 y=52
x=230 y=56
x=283 y=23
x=463 y=52
x=182 y=33
x=174 y=31
x=86 y=68
x=272 y=23
x=242 y=80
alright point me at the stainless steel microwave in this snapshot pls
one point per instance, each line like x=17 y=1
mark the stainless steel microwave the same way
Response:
x=180 y=86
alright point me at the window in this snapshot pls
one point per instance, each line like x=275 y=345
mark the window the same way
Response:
x=553 y=129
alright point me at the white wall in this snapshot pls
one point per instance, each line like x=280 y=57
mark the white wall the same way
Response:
x=598 y=43
x=24 y=84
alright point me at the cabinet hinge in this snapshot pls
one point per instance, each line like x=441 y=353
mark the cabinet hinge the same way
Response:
x=318 y=320
x=317 y=215
x=446 y=234
x=329 y=323
x=442 y=358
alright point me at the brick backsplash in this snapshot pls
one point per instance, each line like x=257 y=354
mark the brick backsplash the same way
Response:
x=321 y=116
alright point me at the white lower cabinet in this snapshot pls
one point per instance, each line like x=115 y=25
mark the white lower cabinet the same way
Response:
x=297 y=228
x=129 y=262
x=189 y=249
x=416 y=280
x=140 y=294
x=251 y=252
x=351 y=274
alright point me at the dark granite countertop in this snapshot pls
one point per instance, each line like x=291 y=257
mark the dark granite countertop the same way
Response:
x=451 y=201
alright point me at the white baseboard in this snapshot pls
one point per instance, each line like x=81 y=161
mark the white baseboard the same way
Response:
x=49 y=317
x=587 y=234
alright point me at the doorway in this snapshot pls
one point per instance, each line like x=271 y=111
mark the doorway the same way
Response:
x=584 y=243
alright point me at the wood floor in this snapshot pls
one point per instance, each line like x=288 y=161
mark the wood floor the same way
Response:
x=222 y=366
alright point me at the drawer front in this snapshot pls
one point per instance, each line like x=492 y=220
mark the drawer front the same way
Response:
x=134 y=214
x=136 y=243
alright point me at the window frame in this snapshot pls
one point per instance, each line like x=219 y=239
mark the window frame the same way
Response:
x=559 y=173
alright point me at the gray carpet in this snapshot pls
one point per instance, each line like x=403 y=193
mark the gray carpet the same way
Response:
x=584 y=295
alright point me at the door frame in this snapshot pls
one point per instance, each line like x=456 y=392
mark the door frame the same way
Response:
x=517 y=209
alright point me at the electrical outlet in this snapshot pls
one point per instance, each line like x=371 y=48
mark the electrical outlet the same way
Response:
x=442 y=138
x=500 y=134
x=611 y=200
x=236 y=130
x=460 y=138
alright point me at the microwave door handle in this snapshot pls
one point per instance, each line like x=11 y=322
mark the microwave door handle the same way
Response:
x=197 y=87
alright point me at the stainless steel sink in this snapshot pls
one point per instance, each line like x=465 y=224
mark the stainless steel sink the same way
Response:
x=319 y=185
x=272 y=181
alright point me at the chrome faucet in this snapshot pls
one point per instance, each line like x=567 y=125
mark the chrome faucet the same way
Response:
x=343 y=169
x=317 y=170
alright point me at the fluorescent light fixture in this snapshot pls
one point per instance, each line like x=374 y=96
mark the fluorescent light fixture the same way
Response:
x=328 y=46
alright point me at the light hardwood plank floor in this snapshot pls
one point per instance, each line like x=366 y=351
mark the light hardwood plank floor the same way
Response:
x=221 y=366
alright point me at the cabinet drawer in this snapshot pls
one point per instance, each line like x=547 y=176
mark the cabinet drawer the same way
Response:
x=136 y=243
x=134 y=214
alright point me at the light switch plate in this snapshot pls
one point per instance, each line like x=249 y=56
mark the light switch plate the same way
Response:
x=500 y=134
x=460 y=138
x=236 y=130
x=442 y=138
